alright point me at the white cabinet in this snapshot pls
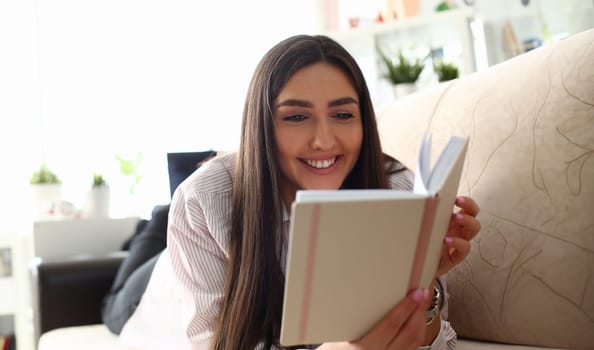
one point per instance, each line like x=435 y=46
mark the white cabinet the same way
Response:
x=7 y=300
x=13 y=297
x=453 y=32
x=7 y=294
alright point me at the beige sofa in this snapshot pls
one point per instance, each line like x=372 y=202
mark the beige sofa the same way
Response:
x=529 y=279
x=530 y=275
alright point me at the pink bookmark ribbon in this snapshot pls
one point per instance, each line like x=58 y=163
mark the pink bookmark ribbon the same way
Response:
x=313 y=242
x=423 y=242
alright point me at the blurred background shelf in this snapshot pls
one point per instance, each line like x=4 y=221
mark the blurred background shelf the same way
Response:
x=473 y=34
x=452 y=34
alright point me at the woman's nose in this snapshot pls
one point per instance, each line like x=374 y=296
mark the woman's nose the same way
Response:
x=323 y=136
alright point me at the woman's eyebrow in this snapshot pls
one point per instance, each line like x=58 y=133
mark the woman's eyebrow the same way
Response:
x=342 y=101
x=302 y=103
x=295 y=102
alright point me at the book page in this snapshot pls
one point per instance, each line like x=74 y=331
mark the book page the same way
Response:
x=446 y=164
x=423 y=165
x=444 y=182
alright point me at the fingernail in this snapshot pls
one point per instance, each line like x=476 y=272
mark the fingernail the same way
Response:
x=426 y=294
x=448 y=240
x=460 y=200
x=417 y=295
x=459 y=217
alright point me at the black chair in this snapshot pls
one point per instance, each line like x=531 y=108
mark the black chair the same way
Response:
x=68 y=291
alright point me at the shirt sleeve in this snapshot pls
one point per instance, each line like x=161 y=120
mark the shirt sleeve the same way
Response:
x=181 y=303
x=446 y=338
x=401 y=180
x=179 y=307
x=157 y=323
x=198 y=261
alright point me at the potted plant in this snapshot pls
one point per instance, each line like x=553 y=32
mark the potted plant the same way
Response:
x=99 y=181
x=129 y=201
x=402 y=72
x=98 y=198
x=46 y=190
x=44 y=176
x=446 y=71
x=130 y=167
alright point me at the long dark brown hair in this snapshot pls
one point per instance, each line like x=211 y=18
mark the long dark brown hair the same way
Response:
x=252 y=306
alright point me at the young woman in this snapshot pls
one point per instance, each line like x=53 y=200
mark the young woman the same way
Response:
x=308 y=123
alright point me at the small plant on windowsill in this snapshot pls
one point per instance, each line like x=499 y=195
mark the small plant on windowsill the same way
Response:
x=446 y=71
x=44 y=176
x=99 y=181
x=46 y=191
x=98 y=198
x=401 y=72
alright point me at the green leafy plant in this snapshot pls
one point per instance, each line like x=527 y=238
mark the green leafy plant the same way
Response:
x=446 y=71
x=443 y=6
x=99 y=181
x=44 y=176
x=131 y=168
x=401 y=70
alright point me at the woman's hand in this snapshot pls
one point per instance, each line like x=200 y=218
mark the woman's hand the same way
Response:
x=463 y=227
x=402 y=328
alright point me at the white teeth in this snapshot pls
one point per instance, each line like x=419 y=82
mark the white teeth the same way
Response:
x=321 y=164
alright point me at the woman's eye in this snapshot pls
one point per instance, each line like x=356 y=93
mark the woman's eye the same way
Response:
x=343 y=116
x=295 y=118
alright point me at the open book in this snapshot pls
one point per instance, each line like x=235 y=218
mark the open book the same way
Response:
x=354 y=254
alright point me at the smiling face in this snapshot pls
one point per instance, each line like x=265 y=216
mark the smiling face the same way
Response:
x=318 y=129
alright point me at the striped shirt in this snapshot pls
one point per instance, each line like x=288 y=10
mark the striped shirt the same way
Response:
x=197 y=255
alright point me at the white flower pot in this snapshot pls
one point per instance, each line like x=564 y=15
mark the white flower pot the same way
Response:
x=44 y=197
x=98 y=202
x=403 y=89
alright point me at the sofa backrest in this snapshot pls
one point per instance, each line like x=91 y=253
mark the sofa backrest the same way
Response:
x=529 y=278
x=89 y=236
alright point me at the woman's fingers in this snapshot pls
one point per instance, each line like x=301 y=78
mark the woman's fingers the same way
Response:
x=464 y=223
x=456 y=250
x=464 y=226
x=391 y=326
x=468 y=205
x=412 y=333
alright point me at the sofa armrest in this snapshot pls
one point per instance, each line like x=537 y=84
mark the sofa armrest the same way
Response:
x=69 y=291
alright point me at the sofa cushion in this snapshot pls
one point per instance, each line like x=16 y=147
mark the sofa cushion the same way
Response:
x=92 y=337
x=465 y=344
x=529 y=278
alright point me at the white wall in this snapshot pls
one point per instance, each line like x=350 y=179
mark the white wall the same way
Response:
x=82 y=81
x=19 y=104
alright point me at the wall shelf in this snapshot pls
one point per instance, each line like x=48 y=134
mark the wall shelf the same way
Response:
x=449 y=31
x=431 y=19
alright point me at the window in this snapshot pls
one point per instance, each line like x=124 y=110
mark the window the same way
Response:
x=85 y=81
